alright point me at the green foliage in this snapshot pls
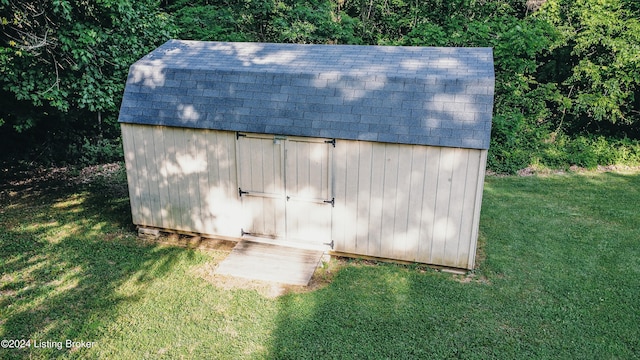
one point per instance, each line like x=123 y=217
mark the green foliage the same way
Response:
x=522 y=117
x=566 y=70
x=589 y=152
x=97 y=151
x=314 y=21
x=73 y=55
x=210 y=23
x=66 y=61
x=598 y=60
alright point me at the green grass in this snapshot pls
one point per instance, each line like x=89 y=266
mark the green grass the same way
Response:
x=559 y=277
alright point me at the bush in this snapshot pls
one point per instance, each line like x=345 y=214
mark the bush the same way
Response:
x=97 y=151
x=560 y=151
x=516 y=144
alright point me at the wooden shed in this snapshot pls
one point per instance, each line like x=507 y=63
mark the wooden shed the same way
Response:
x=365 y=150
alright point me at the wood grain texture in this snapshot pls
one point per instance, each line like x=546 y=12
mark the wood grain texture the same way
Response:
x=270 y=262
x=408 y=202
x=404 y=202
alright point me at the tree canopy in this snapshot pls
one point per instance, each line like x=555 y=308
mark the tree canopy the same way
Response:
x=567 y=72
x=63 y=62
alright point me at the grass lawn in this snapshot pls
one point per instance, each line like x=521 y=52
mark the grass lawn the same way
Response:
x=558 y=277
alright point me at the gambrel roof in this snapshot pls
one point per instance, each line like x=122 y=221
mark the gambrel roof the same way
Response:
x=410 y=95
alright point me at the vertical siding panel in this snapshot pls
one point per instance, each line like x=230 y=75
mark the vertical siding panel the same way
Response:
x=273 y=216
x=159 y=150
x=210 y=184
x=351 y=196
x=307 y=218
x=306 y=170
x=376 y=200
x=317 y=171
x=143 y=175
x=443 y=196
x=389 y=198
x=245 y=172
x=362 y=223
x=476 y=211
x=429 y=190
x=166 y=167
x=186 y=173
x=132 y=171
x=466 y=224
x=224 y=213
x=144 y=145
x=403 y=194
x=327 y=183
x=201 y=179
x=338 y=224
x=254 y=174
x=139 y=141
x=228 y=162
x=415 y=232
x=456 y=206
x=261 y=174
x=191 y=165
x=180 y=198
x=278 y=215
x=260 y=170
x=173 y=177
x=155 y=206
x=244 y=163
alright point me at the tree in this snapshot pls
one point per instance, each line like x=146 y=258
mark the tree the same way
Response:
x=597 y=61
x=66 y=61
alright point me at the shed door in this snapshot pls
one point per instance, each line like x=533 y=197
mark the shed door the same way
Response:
x=285 y=186
x=261 y=180
x=309 y=198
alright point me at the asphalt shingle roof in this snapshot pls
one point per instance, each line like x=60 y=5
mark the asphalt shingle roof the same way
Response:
x=411 y=95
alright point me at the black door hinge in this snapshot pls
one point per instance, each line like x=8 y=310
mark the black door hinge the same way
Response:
x=330 y=244
x=240 y=192
x=332 y=202
x=238 y=135
x=332 y=142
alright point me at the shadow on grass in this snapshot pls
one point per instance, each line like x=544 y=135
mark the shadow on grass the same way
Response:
x=385 y=312
x=562 y=282
x=65 y=263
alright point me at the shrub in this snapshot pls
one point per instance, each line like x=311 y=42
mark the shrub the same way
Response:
x=96 y=151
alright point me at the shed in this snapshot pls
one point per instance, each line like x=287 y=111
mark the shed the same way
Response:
x=373 y=151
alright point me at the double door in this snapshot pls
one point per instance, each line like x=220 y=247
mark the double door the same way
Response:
x=285 y=187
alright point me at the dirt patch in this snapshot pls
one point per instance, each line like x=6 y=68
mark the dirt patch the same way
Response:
x=472 y=278
x=192 y=242
x=23 y=182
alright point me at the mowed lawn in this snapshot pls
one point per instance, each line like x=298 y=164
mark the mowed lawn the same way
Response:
x=558 y=277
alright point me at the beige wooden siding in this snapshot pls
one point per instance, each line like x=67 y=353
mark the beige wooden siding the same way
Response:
x=260 y=175
x=182 y=179
x=308 y=175
x=406 y=202
x=285 y=182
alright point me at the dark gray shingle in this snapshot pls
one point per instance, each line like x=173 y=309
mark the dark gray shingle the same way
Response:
x=413 y=95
